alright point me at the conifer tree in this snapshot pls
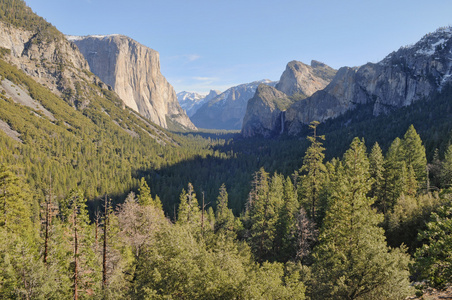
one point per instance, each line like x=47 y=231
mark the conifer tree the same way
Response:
x=85 y=270
x=413 y=153
x=352 y=260
x=145 y=197
x=376 y=170
x=189 y=212
x=15 y=214
x=261 y=216
x=286 y=227
x=393 y=167
x=224 y=218
x=446 y=173
x=434 y=258
x=313 y=173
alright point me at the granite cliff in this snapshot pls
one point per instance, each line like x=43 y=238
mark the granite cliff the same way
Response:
x=264 y=114
x=133 y=71
x=405 y=76
x=50 y=59
x=226 y=111
x=304 y=80
x=297 y=82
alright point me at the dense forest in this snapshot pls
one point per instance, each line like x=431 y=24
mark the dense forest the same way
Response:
x=98 y=203
x=358 y=227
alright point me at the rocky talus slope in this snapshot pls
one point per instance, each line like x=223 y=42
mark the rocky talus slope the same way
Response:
x=52 y=61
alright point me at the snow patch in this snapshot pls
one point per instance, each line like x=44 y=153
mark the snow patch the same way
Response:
x=97 y=36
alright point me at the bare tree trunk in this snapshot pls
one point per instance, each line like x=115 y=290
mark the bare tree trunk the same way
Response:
x=104 y=256
x=96 y=231
x=75 y=256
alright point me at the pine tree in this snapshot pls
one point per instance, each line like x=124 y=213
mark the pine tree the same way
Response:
x=413 y=153
x=434 y=258
x=225 y=222
x=261 y=216
x=313 y=173
x=189 y=212
x=145 y=197
x=286 y=227
x=446 y=173
x=352 y=260
x=392 y=174
x=15 y=212
x=376 y=170
x=85 y=270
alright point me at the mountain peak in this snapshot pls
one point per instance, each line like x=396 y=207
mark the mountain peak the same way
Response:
x=133 y=71
x=97 y=36
x=305 y=80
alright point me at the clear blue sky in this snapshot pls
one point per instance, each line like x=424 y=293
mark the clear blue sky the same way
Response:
x=216 y=44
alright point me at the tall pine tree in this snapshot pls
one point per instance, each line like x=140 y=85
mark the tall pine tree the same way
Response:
x=352 y=260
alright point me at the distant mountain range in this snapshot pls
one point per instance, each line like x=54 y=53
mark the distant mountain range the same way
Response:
x=226 y=110
x=191 y=101
x=404 y=77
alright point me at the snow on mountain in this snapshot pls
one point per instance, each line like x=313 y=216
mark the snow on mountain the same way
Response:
x=226 y=110
x=192 y=101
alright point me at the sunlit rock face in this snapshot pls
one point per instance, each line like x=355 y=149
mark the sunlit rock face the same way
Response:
x=133 y=71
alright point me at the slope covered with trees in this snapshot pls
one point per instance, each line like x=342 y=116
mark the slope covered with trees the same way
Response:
x=96 y=202
x=347 y=244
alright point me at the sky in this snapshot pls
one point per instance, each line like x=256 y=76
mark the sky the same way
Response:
x=217 y=44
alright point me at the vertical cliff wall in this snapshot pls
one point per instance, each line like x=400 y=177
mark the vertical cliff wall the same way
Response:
x=133 y=71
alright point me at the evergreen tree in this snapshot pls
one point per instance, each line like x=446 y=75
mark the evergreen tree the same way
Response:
x=286 y=227
x=145 y=197
x=15 y=208
x=434 y=258
x=225 y=222
x=352 y=260
x=313 y=173
x=393 y=166
x=446 y=173
x=189 y=212
x=413 y=153
x=261 y=216
x=85 y=267
x=376 y=170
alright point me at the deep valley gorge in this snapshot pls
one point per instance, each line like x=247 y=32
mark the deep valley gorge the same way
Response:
x=329 y=183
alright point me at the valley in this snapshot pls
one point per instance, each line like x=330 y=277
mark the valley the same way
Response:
x=326 y=184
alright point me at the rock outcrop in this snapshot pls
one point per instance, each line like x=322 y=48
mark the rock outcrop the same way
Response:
x=408 y=75
x=297 y=82
x=133 y=71
x=403 y=77
x=50 y=60
x=226 y=111
x=304 y=80
x=264 y=114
